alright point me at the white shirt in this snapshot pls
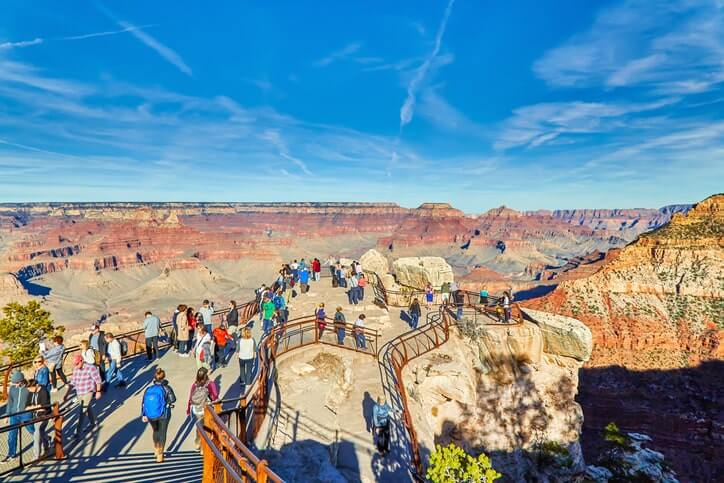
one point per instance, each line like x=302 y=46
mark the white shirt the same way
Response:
x=294 y=266
x=206 y=313
x=359 y=268
x=247 y=348
x=200 y=344
x=359 y=323
x=89 y=356
x=114 y=350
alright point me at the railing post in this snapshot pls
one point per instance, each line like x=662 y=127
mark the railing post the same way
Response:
x=261 y=473
x=208 y=455
x=6 y=382
x=58 y=436
x=241 y=415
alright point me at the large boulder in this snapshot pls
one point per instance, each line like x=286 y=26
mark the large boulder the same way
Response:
x=563 y=336
x=418 y=271
x=374 y=261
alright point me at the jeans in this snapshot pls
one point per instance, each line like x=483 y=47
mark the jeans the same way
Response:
x=221 y=352
x=86 y=401
x=361 y=293
x=361 y=343
x=208 y=328
x=114 y=372
x=40 y=442
x=58 y=371
x=267 y=326
x=353 y=295
x=151 y=347
x=182 y=346
x=340 y=336
x=415 y=319
x=246 y=371
x=14 y=433
x=459 y=315
x=160 y=429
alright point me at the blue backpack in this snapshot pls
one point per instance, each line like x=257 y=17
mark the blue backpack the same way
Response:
x=154 y=402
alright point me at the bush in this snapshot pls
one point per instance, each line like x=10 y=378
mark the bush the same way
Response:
x=22 y=327
x=450 y=464
x=613 y=434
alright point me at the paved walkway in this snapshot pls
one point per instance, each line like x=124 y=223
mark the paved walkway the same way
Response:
x=120 y=450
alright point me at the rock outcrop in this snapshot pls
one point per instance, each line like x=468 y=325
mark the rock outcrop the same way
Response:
x=502 y=390
x=419 y=271
x=374 y=261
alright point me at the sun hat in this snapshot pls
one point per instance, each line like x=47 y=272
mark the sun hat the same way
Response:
x=77 y=359
x=17 y=377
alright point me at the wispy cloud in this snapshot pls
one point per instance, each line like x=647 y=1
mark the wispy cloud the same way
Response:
x=168 y=54
x=672 y=47
x=407 y=110
x=22 y=43
x=340 y=54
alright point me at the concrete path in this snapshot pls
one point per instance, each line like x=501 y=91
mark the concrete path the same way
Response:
x=120 y=450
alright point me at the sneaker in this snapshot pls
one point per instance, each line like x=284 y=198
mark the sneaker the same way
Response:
x=9 y=459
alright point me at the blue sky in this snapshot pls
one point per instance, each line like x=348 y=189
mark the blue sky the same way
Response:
x=555 y=104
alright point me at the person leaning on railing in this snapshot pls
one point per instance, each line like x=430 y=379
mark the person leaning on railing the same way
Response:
x=39 y=402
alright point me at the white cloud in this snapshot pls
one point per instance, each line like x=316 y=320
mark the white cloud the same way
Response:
x=407 y=110
x=168 y=54
x=340 y=54
x=22 y=43
x=672 y=47
x=40 y=40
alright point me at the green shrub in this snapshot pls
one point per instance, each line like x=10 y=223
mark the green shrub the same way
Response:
x=450 y=464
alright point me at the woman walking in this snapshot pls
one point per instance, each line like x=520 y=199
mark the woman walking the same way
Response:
x=340 y=324
x=429 y=293
x=158 y=399
x=184 y=331
x=54 y=361
x=247 y=354
x=415 y=312
x=203 y=392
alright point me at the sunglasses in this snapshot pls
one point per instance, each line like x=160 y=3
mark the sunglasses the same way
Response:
x=38 y=362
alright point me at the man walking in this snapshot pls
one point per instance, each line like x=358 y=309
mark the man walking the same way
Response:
x=151 y=327
x=86 y=381
x=115 y=354
x=206 y=312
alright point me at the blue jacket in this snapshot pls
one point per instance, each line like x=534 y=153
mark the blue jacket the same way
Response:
x=303 y=276
x=151 y=326
x=42 y=375
x=279 y=302
x=381 y=415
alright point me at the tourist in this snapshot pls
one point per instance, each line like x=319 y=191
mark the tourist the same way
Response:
x=415 y=313
x=86 y=381
x=459 y=297
x=352 y=292
x=381 y=424
x=302 y=265
x=295 y=270
x=221 y=347
x=247 y=354
x=232 y=322
x=340 y=275
x=340 y=324
x=207 y=311
x=174 y=328
x=445 y=293
x=317 y=269
x=89 y=355
x=98 y=344
x=429 y=294
x=114 y=357
x=184 y=331
x=202 y=348
x=499 y=311
x=158 y=399
x=203 y=392
x=359 y=331
x=303 y=280
x=454 y=286
x=42 y=373
x=268 y=312
x=320 y=315
x=506 y=305
x=54 y=360
x=192 y=320
x=151 y=330
x=361 y=284
x=39 y=402
x=280 y=304
x=260 y=300
x=484 y=296
x=358 y=268
x=18 y=397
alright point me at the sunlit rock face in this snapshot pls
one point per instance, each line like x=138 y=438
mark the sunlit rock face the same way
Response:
x=419 y=271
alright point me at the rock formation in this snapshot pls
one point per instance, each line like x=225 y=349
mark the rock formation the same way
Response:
x=419 y=271
x=374 y=261
x=507 y=390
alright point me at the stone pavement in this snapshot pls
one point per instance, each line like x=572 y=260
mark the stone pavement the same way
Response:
x=120 y=449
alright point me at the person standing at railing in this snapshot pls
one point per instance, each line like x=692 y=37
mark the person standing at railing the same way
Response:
x=352 y=290
x=247 y=354
x=39 y=401
x=459 y=297
x=415 y=313
x=484 y=296
x=222 y=344
x=268 y=308
x=340 y=323
x=191 y=320
x=207 y=311
x=429 y=294
x=359 y=332
x=18 y=397
x=506 y=306
x=280 y=304
x=114 y=356
x=320 y=315
x=86 y=381
x=54 y=360
x=182 y=322
x=151 y=330
x=158 y=399
x=445 y=293
x=361 y=284
x=303 y=280
x=203 y=392
x=97 y=342
x=42 y=373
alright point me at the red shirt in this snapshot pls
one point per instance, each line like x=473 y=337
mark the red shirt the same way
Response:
x=316 y=266
x=221 y=336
